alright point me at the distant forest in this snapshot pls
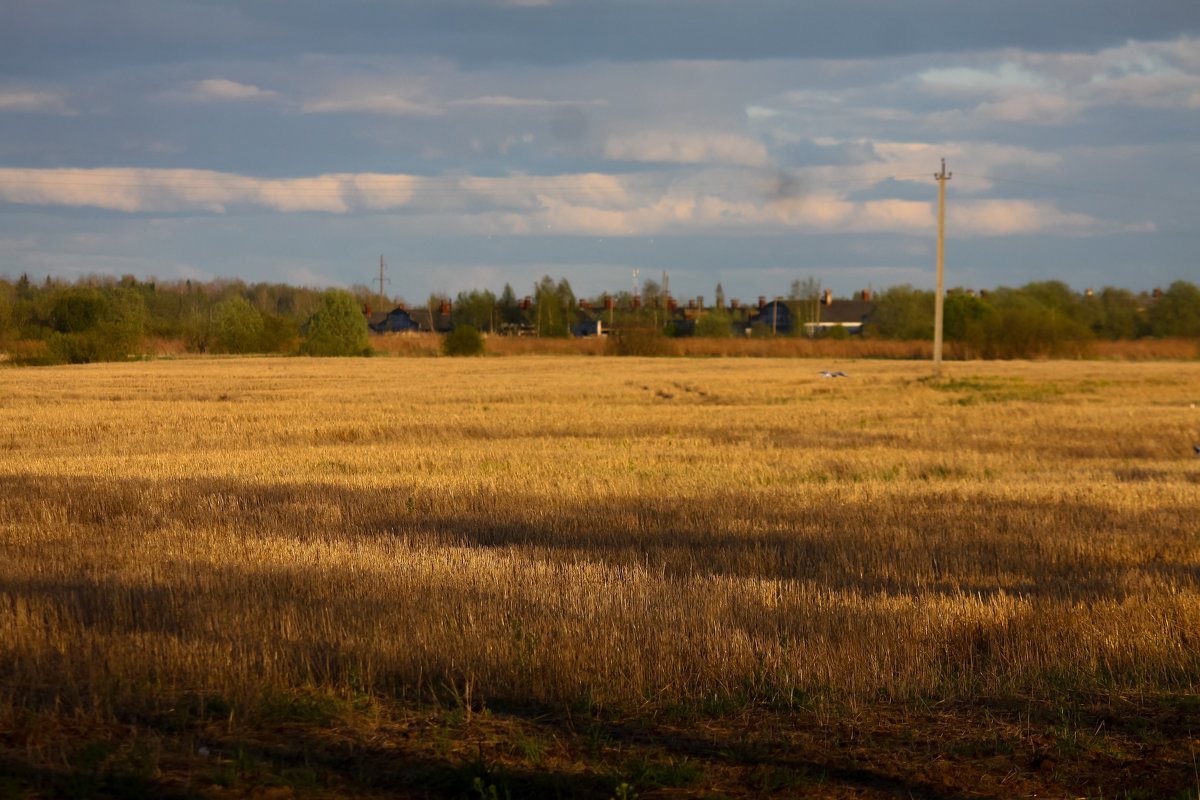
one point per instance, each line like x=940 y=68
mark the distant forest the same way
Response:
x=106 y=319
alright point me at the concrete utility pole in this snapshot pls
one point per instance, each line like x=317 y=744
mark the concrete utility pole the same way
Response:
x=941 y=178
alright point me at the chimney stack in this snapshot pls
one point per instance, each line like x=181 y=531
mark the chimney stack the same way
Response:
x=1157 y=292
x=445 y=306
x=762 y=301
x=691 y=304
x=610 y=303
x=867 y=295
x=734 y=303
x=829 y=297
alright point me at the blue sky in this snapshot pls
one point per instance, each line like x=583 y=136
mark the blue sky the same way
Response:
x=478 y=142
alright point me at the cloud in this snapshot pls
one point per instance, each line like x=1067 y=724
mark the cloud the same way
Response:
x=687 y=148
x=35 y=103
x=1035 y=108
x=715 y=202
x=213 y=90
x=1005 y=75
x=388 y=103
x=1019 y=217
x=504 y=101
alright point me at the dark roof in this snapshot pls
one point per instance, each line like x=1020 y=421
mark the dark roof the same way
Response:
x=846 y=311
x=441 y=322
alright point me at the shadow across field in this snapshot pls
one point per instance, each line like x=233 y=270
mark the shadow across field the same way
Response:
x=932 y=543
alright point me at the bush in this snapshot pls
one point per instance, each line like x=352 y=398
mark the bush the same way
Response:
x=638 y=340
x=464 y=340
x=714 y=325
x=339 y=328
x=838 y=332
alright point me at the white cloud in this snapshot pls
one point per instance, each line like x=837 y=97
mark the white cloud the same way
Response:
x=1034 y=108
x=729 y=201
x=504 y=101
x=1005 y=75
x=687 y=148
x=388 y=103
x=221 y=90
x=35 y=103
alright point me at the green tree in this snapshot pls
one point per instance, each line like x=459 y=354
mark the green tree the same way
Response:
x=553 y=308
x=477 y=309
x=903 y=312
x=8 y=300
x=238 y=325
x=509 y=307
x=339 y=327
x=714 y=325
x=963 y=317
x=1177 y=312
x=77 y=309
x=1115 y=314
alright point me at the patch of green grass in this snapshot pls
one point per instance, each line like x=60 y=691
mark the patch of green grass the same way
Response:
x=639 y=771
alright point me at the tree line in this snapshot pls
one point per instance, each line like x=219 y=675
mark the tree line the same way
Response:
x=105 y=318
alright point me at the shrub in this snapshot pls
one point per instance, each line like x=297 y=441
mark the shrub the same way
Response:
x=638 y=340
x=714 y=325
x=339 y=327
x=836 y=332
x=464 y=340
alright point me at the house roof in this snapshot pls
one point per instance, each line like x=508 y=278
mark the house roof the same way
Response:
x=846 y=311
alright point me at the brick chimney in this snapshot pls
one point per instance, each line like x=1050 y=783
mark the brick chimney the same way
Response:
x=445 y=306
x=610 y=303
x=734 y=303
x=762 y=301
x=867 y=295
x=829 y=297
x=1157 y=292
x=691 y=304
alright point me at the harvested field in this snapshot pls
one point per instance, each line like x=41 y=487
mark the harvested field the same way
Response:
x=571 y=574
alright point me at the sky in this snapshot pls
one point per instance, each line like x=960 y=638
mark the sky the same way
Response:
x=474 y=143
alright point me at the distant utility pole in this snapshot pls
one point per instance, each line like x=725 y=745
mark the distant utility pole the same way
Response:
x=382 y=297
x=941 y=178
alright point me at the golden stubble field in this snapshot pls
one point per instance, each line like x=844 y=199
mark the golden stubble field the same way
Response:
x=605 y=534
